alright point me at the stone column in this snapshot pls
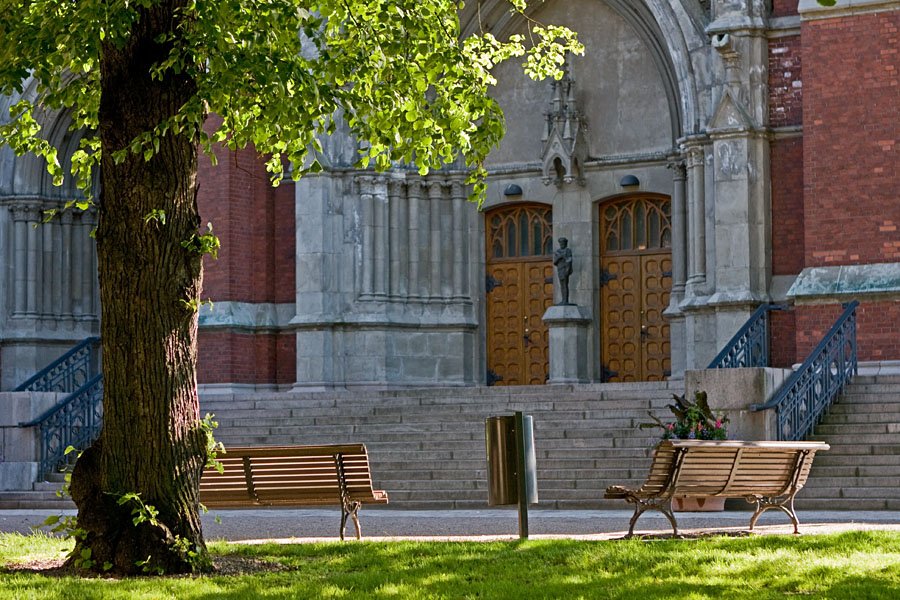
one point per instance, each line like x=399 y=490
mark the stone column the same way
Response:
x=399 y=238
x=673 y=312
x=20 y=233
x=435 y=194
x=47 y=260
x=66 y=265
x=58 y=289
x=31 y=263
x=381 y=256
x=367 y=208
x=414 y=195
x=460 y=254
x=697 y=213
x=78 y=257
x=88 y=270
x=679 y=233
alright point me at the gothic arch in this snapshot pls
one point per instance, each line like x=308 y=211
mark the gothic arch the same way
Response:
x=671 y=29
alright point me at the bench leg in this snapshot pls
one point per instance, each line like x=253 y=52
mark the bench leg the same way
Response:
x=350 y=509
x=641 y=506
x=764 y=504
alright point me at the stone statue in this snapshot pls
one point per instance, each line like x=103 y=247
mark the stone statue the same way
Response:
x=562 y=258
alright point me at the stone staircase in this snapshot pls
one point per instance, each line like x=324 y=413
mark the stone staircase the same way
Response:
x=427 y=447
x=42 y=495
x=862 y=469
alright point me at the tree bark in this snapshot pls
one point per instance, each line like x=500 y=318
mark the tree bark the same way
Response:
x=151 y=443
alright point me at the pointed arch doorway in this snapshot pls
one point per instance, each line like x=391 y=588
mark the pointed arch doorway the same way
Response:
x=519 y=288
x=635 y=282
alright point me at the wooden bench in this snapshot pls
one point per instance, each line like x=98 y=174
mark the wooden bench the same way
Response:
x=767 y=473
x=293 y=476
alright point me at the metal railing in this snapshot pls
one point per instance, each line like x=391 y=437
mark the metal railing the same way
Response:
x=750 y=345
x=67 y=373
x=76 y=421
x=806 y=395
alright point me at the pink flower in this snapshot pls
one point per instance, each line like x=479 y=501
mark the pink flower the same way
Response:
x=671 y=426
x=719 y=423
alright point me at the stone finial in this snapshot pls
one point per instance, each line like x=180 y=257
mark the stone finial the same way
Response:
x=564 y=147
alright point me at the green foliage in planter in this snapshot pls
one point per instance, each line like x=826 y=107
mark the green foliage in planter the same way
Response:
x=694 y=419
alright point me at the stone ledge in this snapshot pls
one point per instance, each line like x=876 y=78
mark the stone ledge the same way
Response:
x=844 y=282
x=811 y=9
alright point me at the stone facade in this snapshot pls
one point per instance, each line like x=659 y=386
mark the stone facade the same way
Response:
x=744 y=114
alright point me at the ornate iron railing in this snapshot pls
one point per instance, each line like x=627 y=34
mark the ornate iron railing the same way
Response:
x=76 y=421
x=750 y=345
x=67 y=373
x=806 y=395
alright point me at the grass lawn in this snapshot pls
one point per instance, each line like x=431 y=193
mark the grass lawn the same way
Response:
x=847 y=565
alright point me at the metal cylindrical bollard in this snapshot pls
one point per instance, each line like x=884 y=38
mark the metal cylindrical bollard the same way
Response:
x=504 y=463
x=499 y=434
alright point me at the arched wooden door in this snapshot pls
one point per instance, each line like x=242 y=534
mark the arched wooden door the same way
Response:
x=519 y=288
x=635 y=282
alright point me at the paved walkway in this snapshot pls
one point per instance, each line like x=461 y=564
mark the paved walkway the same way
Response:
x=305 y=525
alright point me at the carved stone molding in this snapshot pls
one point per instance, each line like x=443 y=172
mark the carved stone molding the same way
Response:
x=564 y=149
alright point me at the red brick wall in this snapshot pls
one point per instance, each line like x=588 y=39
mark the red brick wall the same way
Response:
x=851 y=151
x=254 y=222
x=227 y=357
x=784 y=8
x=877 y=329
x=782 y=338
x=785 y=81
x=786 y=157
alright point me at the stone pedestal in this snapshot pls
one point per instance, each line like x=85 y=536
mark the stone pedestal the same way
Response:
x=568 y=334
x=20 y=449
x=731 y=393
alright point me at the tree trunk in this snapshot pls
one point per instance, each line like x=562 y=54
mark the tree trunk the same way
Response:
x=151 y=443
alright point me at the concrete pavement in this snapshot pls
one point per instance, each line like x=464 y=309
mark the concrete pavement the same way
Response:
x=321 y=524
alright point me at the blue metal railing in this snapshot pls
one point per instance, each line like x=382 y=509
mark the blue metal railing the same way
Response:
x=76 y=421
x=67 y=373
x=806 y=395
x=750 y=345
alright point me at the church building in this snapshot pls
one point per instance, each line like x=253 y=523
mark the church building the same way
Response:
x=703 y=158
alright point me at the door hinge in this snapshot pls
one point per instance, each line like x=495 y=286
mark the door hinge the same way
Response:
x=667 y=372
x=492 y=377
x=490 y=283
x=606 y=277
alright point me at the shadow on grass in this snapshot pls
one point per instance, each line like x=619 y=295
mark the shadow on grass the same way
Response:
x=847 y=565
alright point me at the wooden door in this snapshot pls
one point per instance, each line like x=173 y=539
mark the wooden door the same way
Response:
x=519 y=288
x=635 y=282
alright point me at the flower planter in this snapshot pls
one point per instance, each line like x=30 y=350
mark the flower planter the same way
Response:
x=712 y=504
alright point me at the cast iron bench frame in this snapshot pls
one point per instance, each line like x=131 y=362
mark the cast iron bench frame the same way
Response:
x=767 y=473
x=261 y=476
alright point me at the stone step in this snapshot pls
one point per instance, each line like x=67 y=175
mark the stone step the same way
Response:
x=839 y=447
x=858 y=418
x=836 y=459
x=819 y=481
x=827 y=428
x=542 y=422
x=879 y=407
x=801 y=503
x=881 y=387
x=47 y=486
x=864 y=493
x=825 y=472
x=34 y=500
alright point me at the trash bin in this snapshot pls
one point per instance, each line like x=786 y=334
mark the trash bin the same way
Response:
x=503 y=460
